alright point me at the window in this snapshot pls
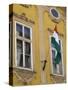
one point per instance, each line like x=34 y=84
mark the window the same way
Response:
x=55 y=15
x=57 y=69
x=23 y=46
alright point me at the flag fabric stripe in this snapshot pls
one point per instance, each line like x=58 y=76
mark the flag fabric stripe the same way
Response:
x=58 y=58
x=56 y=45
x=55 y=35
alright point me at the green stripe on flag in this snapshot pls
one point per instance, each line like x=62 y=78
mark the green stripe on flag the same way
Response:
x=55 y=44
x=58 y=58
x=57 y=47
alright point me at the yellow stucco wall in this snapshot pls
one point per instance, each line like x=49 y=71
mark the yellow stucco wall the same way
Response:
x=32 y=13
x=48 y=23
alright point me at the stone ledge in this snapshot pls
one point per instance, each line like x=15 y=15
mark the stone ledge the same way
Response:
x=22 y=74
x=58 y=78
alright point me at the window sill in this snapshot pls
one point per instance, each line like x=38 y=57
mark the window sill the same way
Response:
x=56 y=75
x=58 y=78
x=25 y=69
x=22 y=69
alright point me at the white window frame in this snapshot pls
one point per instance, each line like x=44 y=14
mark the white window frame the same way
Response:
x=30 y=69
x=52 y=62
x=10 y=27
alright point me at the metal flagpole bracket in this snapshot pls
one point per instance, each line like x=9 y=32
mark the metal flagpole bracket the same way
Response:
x=44 y=64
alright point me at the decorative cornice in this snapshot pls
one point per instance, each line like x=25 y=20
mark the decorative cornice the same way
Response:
x=62 y=17
x=26 y=5
x=22 y=17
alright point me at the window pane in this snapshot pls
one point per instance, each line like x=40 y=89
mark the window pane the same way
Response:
x=27 y=32
x=19 y=53
x=60 y=68
x=27 y=61
x=54 y=12
x=19 y=29
x=27 y=48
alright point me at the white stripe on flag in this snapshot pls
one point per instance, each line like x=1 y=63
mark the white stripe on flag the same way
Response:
x=55 y=35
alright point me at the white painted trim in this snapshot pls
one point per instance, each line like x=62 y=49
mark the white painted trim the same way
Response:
x=24 y=68
x=10 y=28
x=31 y=57
x=51 y=56
x=62 y=58
x=15 y=46
x=31 y=69
x=31 y=49
x=52 y=62
x=23 y=55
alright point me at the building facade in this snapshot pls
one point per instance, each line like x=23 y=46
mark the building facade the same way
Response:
x=31 y=51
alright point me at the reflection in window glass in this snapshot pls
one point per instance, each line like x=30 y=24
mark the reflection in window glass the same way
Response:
x=27 y=32
x=19 y=29
x=27 y=61
x=19 y=53
x=27 y=48
x=27 y=55
x=54 y=12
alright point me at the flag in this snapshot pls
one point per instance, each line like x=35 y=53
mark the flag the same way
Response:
x=56 y=45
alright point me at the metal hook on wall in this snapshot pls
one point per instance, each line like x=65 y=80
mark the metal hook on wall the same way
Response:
x=44 y=64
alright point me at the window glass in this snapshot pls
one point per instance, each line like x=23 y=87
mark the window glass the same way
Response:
x=27 y=48
x=27 y=61
x=19 y=53
x=27 y=55
x=19 y=29
x=27 y=32
x=54 y=12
